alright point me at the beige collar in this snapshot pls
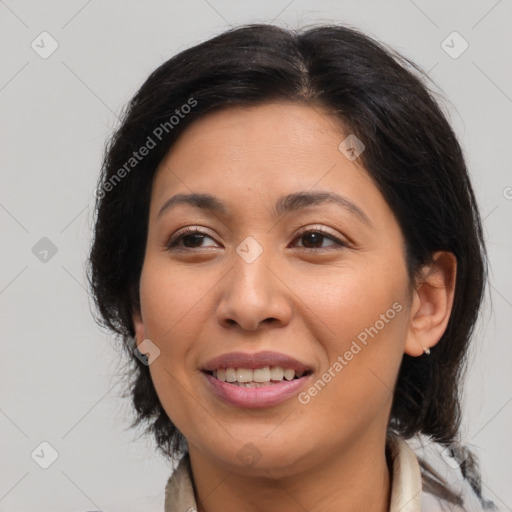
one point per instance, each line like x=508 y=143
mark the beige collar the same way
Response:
x=405 y=487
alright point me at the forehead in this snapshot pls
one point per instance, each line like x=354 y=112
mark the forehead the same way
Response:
x=259 y=138
x=251 y=155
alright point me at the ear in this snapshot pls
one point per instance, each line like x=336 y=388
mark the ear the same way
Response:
x=138 y=325
x=432 y=303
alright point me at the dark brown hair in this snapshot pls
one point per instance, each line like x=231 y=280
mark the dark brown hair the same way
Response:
x=411 y=153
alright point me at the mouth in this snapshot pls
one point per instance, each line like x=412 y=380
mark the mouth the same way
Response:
x=255 y=380
x=257 y=388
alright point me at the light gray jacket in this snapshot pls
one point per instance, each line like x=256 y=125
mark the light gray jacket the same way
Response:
x=426 y=477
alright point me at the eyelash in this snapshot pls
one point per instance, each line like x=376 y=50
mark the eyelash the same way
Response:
x=175 y=239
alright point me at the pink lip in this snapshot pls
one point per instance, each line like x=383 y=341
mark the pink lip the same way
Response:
x=255 y=398
x=255 y=360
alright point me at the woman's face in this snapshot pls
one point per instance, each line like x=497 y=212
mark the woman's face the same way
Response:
x=322 y=282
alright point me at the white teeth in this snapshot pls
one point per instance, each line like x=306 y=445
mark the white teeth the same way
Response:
x=230 y=375
x=244 y=375
x=261 y=374
x=276 y=373
x=289 y=374
x=267 y=374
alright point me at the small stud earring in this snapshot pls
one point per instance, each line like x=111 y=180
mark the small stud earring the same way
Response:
x=426 y=350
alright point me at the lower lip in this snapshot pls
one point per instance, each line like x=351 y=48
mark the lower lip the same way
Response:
x=257 y=397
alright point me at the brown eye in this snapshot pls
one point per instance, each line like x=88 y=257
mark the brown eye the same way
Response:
x=191 y=238
x=314 y=238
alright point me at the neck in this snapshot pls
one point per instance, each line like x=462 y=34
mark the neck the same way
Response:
x=354 y=479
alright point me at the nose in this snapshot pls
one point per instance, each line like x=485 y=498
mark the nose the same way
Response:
x=254 y=295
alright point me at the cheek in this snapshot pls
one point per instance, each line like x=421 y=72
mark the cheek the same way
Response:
x=172 y=300
x=170 y=306
x=360 y=317
x=171 y=309
x=351 y=299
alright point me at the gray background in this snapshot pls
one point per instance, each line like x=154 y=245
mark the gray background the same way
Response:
x=59 y=372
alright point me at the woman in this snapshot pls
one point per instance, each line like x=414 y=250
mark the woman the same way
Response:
x=289 y=246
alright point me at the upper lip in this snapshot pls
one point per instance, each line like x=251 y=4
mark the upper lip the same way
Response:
x=255 y=360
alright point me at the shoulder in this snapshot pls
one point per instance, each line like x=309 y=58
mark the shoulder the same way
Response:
x=450 y=482
x=179 y=491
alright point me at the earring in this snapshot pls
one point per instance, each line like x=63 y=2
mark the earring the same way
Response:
x=426 y=350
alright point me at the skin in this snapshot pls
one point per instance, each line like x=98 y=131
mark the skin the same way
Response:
x=204 y=300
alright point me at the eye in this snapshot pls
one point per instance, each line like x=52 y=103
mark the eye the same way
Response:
x=192 y=238
x=313 y=239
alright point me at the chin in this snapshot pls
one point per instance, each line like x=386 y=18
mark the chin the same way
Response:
x=260 y=456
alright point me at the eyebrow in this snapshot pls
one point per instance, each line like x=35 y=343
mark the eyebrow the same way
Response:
x=285 y=204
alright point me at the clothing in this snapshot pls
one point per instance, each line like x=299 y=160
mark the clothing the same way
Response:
x=414 y=486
